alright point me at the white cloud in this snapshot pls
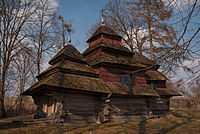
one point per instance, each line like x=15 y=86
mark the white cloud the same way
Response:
x=188 y=77
x=53 y=4
x=141 y=33
x=180 y=4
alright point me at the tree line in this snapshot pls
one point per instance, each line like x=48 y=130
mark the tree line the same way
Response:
x=29 y=31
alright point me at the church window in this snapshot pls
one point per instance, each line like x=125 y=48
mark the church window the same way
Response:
x=125 y=78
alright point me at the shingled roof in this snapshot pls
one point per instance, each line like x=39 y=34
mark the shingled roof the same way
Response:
x=137 y=58
x=68 y=52
x=155 y=75
x=131 y=90
x=72 y=82
x=114 y=47
x=104 y=29
x=102 y=58
x=69 y=81
x=70 y=67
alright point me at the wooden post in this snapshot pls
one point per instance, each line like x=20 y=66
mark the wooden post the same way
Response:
x=104 y=109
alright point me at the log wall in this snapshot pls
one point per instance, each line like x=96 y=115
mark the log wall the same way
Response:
x=159 y=106
x=77 y=108
x=109 y=74
x=82 y=108
x=127 y=109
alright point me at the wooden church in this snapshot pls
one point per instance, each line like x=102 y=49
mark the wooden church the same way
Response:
x=106 y=83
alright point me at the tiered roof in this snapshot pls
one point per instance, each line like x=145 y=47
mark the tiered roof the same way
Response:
x=70 y=71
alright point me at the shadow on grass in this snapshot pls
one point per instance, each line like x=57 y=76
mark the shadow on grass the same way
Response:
x=105 y=126
x=166 y=130
x=70 y=128
x=142 y=127
x=188 y=118
x=10 y=125
x=100 y=126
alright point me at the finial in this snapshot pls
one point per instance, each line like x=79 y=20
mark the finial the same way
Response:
x=69 y=32
x=102 y=15
x=69 y=39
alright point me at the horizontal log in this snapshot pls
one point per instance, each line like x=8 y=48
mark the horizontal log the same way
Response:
x=122 y=111
x=128 y=107
x=128 y=101
x=80 y=109
x=78 y=113
x=139 y=82
x=79 y=102
x=72 y=95
x=107 y=74
x=110 y=78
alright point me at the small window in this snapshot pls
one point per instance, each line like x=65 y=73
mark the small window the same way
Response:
x=152 y=85
x=125 y=78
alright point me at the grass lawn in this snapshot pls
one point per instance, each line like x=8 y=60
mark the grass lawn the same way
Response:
x=183 y=122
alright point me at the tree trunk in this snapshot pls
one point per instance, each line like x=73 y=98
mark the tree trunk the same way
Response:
x=149 y=29
x=2 y=82
x=38 y=63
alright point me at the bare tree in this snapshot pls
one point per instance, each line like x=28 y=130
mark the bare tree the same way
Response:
x=22 y=66
x=141 y=23
x=173 y=36
x=19 y=77
x=43 y=32
x=188 y=41
x=196 y=90
x=15 y=14
x=145 y=28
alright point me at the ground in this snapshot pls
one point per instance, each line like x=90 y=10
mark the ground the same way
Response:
x=182 y=122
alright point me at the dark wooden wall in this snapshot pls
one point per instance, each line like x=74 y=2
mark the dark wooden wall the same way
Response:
x=127 y=109
x=159 y=106
x=92 y=108
x=78 y=108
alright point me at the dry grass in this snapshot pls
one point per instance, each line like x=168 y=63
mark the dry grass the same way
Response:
x=183 y=122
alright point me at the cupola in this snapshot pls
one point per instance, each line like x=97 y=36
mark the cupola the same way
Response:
x=104 y=34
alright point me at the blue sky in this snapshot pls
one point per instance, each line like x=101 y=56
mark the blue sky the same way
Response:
x=82 y=14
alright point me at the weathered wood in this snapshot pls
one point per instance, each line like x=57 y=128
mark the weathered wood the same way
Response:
x=84 y=108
